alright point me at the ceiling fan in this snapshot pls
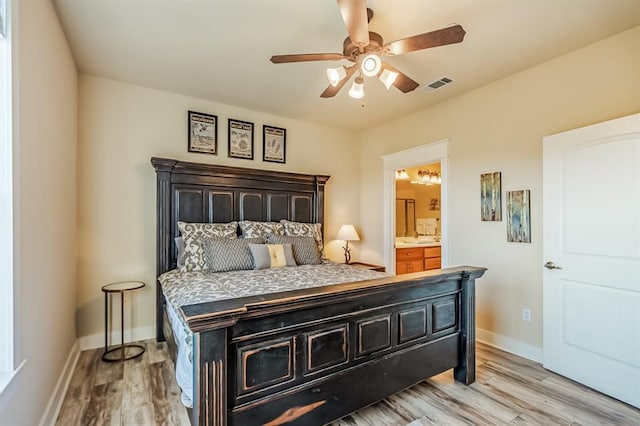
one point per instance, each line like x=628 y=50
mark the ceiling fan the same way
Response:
x=365 y=48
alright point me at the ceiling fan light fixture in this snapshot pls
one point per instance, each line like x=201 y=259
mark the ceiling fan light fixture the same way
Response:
x=388 y=78
x=371 y=65
x=335 y=75
x=357 y=88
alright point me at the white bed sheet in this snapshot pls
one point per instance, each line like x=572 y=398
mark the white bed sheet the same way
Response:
x=184 y=367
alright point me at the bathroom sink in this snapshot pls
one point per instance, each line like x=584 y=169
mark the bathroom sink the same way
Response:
x=415 y=242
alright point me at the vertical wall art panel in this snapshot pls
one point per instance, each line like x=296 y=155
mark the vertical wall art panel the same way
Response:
x=490 y=196
x=518 y=216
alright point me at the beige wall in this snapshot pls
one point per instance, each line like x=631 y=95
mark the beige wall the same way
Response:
x=121 y=127
x=500 y=127
x=45 y=114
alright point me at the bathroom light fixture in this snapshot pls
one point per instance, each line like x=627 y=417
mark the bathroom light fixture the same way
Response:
x=388 y=78
x=402 y=174
x=347 y=233
x=335 y=75
x=428 y=177
x=371 y=65
x=357 y=88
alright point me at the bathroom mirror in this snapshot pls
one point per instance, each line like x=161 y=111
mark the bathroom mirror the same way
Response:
x=405 y=217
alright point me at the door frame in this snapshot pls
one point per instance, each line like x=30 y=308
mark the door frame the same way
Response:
x=433 y=152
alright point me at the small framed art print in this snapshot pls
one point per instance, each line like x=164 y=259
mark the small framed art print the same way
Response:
x=203 y=133
x=240 y=139
x=519 y=216
x=490 y=197
x=274 y=144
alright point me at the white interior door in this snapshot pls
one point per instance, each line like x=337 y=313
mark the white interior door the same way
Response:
x=591 y=213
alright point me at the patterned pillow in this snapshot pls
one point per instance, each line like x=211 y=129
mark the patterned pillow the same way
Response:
x=228 y=255
x=180 y=248
x=299 y=229
x=194 y=233
x=268 y=256
x=251 y=229
x=305 y=249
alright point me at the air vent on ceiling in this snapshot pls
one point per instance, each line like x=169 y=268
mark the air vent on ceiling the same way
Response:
x=444 y=81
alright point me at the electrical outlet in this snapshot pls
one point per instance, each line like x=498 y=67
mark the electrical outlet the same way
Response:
x=526 y=314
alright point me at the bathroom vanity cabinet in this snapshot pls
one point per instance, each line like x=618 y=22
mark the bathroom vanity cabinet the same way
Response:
x=416 y=259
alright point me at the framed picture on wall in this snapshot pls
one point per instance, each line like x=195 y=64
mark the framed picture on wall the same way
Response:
x=240 y=139
x=518 y=216
x=203 y=133
x=274 y=144
x=490 y=197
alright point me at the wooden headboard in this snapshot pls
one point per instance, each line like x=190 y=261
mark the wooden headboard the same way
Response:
x=196 y=192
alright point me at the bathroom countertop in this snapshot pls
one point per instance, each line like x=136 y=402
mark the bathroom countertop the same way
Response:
x=416 y=245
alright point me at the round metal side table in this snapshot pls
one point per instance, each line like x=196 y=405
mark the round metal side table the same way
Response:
x=137 y=350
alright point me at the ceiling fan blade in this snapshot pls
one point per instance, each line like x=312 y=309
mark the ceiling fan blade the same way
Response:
x=354 y=15
x=331 y=91
x=442 y=37
x=403 y=82
x=307 y=57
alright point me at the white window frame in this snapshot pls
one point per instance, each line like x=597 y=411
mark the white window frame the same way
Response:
x=3 y=19
x=7 y=360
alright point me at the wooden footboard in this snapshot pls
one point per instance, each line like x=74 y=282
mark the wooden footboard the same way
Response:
x=315 y=355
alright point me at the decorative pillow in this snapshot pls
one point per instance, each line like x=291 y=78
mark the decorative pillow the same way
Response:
x=305 y=249
x=252 y=229
x=299 y=229
x=194 y=233
x=272 y=255
x=180 y=247
x=222 y=255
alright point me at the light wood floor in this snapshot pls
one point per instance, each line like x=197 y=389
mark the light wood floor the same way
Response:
x=509 y=390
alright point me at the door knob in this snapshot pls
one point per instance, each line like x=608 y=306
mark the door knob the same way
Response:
x=551 y=265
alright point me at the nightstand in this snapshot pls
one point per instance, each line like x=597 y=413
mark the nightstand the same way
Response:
x=368 y=266
x=119 y=350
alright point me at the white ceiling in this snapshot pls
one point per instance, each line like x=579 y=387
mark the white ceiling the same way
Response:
x=219 y=49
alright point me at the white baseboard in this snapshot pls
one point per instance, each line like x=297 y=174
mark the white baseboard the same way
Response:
x=94 y=341
x=509 y=344
x=55 y=402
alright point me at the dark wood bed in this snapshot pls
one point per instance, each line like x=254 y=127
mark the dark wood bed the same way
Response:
x=306 y=356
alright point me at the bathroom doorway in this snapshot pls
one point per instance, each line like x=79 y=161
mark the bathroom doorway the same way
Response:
x=418 y=201
x=417 y=241
x=430 y=154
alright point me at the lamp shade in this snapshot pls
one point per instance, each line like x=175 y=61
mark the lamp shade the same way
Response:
x=388 y=78
x=357 y=88
x=347 y=233
x=335 y=75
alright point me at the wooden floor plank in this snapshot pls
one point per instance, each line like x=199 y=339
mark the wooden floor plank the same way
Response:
x=524 y=400
x=378 y=414
x=414 y=405
x=479 y=401
x=78 y=396
x=554 y=401
x=167 y=405
x=509 y=390
x=156 y=352
x=109 y=372
x=605 y=406
x=105 y=407
x=137 y=404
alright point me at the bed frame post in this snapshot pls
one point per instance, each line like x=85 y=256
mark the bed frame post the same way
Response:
x=320 y=184
x=465 y=372
x=163 y=173
x=210 y=378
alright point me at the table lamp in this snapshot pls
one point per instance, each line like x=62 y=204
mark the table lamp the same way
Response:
x=347 y=233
